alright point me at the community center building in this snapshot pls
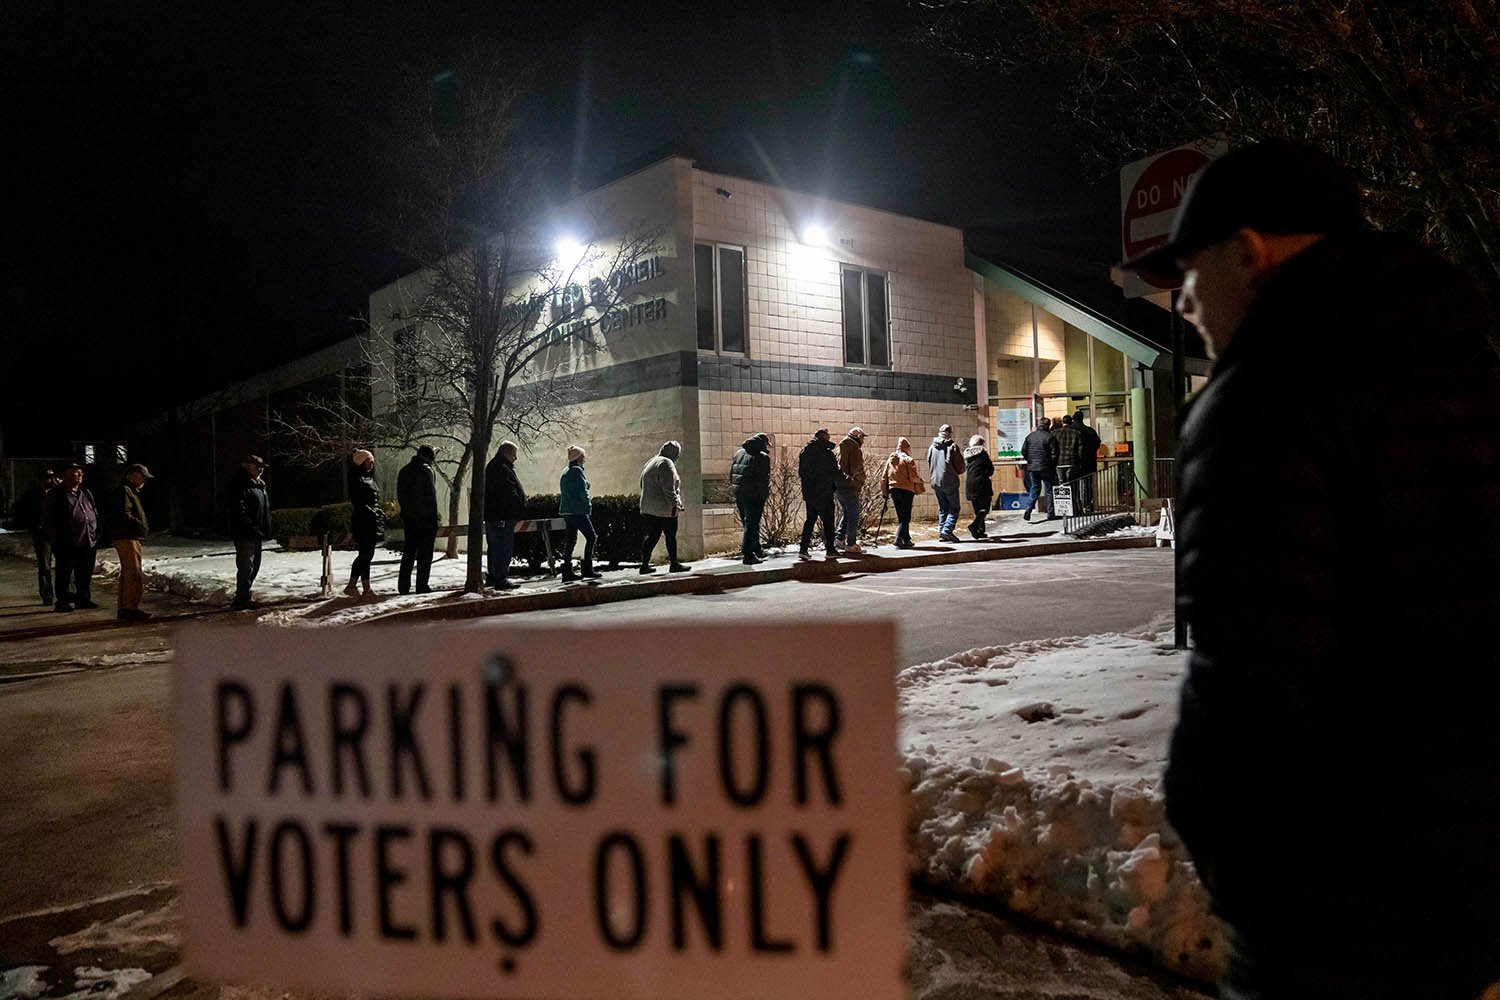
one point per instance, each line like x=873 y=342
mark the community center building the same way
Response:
x=769 y=310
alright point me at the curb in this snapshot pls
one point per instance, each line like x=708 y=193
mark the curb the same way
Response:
x=710 y=581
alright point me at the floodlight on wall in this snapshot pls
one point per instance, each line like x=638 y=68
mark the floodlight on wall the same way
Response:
x=568 y=250
x=959 y=386
x=814 y=235
x=724 y=193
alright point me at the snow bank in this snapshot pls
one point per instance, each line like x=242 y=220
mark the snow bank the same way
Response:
x=1035 y=781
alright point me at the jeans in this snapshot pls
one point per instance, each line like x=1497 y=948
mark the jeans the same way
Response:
x=750 y=514
x=42 y=546
x=947 y=509
x=848 y=529
x=819 y=510
x=579 y=524
x=75 y=573
x=246 y=568
x=132 y=586
x=901 y=500
x=501 y=539
x=656 y=527
x=360 y=568
x=417 y=551
x=1034 y=490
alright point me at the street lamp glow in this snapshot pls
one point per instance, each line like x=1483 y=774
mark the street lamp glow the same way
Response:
x=569 y=250
x=814 y=235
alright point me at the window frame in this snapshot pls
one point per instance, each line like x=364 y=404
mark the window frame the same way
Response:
x=864 y=310
x=716 y=277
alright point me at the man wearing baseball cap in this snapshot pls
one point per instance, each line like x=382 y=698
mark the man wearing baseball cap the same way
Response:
x=128 y=530
x=1343 y=814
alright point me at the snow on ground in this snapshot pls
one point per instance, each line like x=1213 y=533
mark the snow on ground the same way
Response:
x=1035 y=781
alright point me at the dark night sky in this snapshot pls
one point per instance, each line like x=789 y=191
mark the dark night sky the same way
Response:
x=195 y=191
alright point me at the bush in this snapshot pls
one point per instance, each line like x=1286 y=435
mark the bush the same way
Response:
x=334 y=519
x=289 y=521
x=617 y=520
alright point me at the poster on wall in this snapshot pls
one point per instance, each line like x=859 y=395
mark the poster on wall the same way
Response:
x=1011 y=428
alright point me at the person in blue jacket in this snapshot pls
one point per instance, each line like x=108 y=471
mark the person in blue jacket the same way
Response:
x=575 y=508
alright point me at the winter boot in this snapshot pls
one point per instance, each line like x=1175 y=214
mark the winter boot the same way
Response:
x=647 y=568
x=588 y=572
x=568 y=576
x=678 y=567
x=368 y=591
x=353 y=589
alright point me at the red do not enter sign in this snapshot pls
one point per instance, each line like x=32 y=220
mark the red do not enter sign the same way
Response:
x=1150 y=199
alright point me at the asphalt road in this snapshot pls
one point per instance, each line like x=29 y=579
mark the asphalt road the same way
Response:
x=939 y=609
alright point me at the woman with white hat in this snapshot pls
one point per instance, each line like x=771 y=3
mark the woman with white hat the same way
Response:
x=366 y=520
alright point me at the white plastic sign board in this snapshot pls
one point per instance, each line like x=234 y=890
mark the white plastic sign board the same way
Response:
x=561 y=813
x=1062 y=501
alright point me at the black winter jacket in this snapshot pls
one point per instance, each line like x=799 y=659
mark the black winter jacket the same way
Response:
x=504 y=500
x=750 y=472
x=367 y=517
x=416 y=492
x=980 y=486
x=818 y=468
x=249 y=509
x=1040 y=451
x=1296 y=699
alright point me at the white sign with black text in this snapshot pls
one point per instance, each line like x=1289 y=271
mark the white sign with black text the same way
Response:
x=518 y=812
x=1062 y=501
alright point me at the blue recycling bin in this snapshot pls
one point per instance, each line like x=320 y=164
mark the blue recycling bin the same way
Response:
x=1012 y=501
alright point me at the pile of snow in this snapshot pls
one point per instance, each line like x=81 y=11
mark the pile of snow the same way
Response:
x=1035 y=782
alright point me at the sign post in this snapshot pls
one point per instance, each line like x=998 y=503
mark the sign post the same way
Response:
x=479 y=812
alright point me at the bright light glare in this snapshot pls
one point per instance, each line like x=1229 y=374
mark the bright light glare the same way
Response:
x=569 y=250
x=814 y=235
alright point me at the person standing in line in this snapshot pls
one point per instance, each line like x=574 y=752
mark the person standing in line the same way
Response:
x=1069 y=450
x=504 y=505
x=661 y=502
x=366 y=521
x=128 y=529
x=249 y=526
x=980 y=485
x=73 y=528
x=577 y=507
x=1090 y=462
x=30 y=507
x=902 y=484
x=1345 y=663
x=818 y=470
x=852 y=466
x=416 y=492
x=1039 y=451
x=750 y=481
x=945 y=466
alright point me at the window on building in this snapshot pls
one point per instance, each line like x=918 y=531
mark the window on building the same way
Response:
x=406 y=361
x=867 y=329
x=719 y=279
x=121 y=455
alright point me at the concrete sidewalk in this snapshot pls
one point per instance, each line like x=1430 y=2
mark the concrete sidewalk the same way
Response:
x=714 y=575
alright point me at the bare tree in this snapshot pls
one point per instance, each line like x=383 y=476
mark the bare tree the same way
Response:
x=485 y=332
x=1406 y=91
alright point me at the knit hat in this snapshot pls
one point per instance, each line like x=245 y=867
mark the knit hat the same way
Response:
x=976 y=439
x=426 y=452
x=764 y=437
x=361 y=456
x=575 y=453
x=945 y=431
x=821 y=432
x=857 y=433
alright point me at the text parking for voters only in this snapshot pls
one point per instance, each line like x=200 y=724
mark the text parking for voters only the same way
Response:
x=535 y=812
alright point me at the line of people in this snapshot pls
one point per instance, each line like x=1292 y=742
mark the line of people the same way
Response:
x=1060 y=452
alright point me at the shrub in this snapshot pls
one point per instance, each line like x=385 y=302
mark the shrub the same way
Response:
x=289 y=521
x=334 y=519
x=617 y=521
